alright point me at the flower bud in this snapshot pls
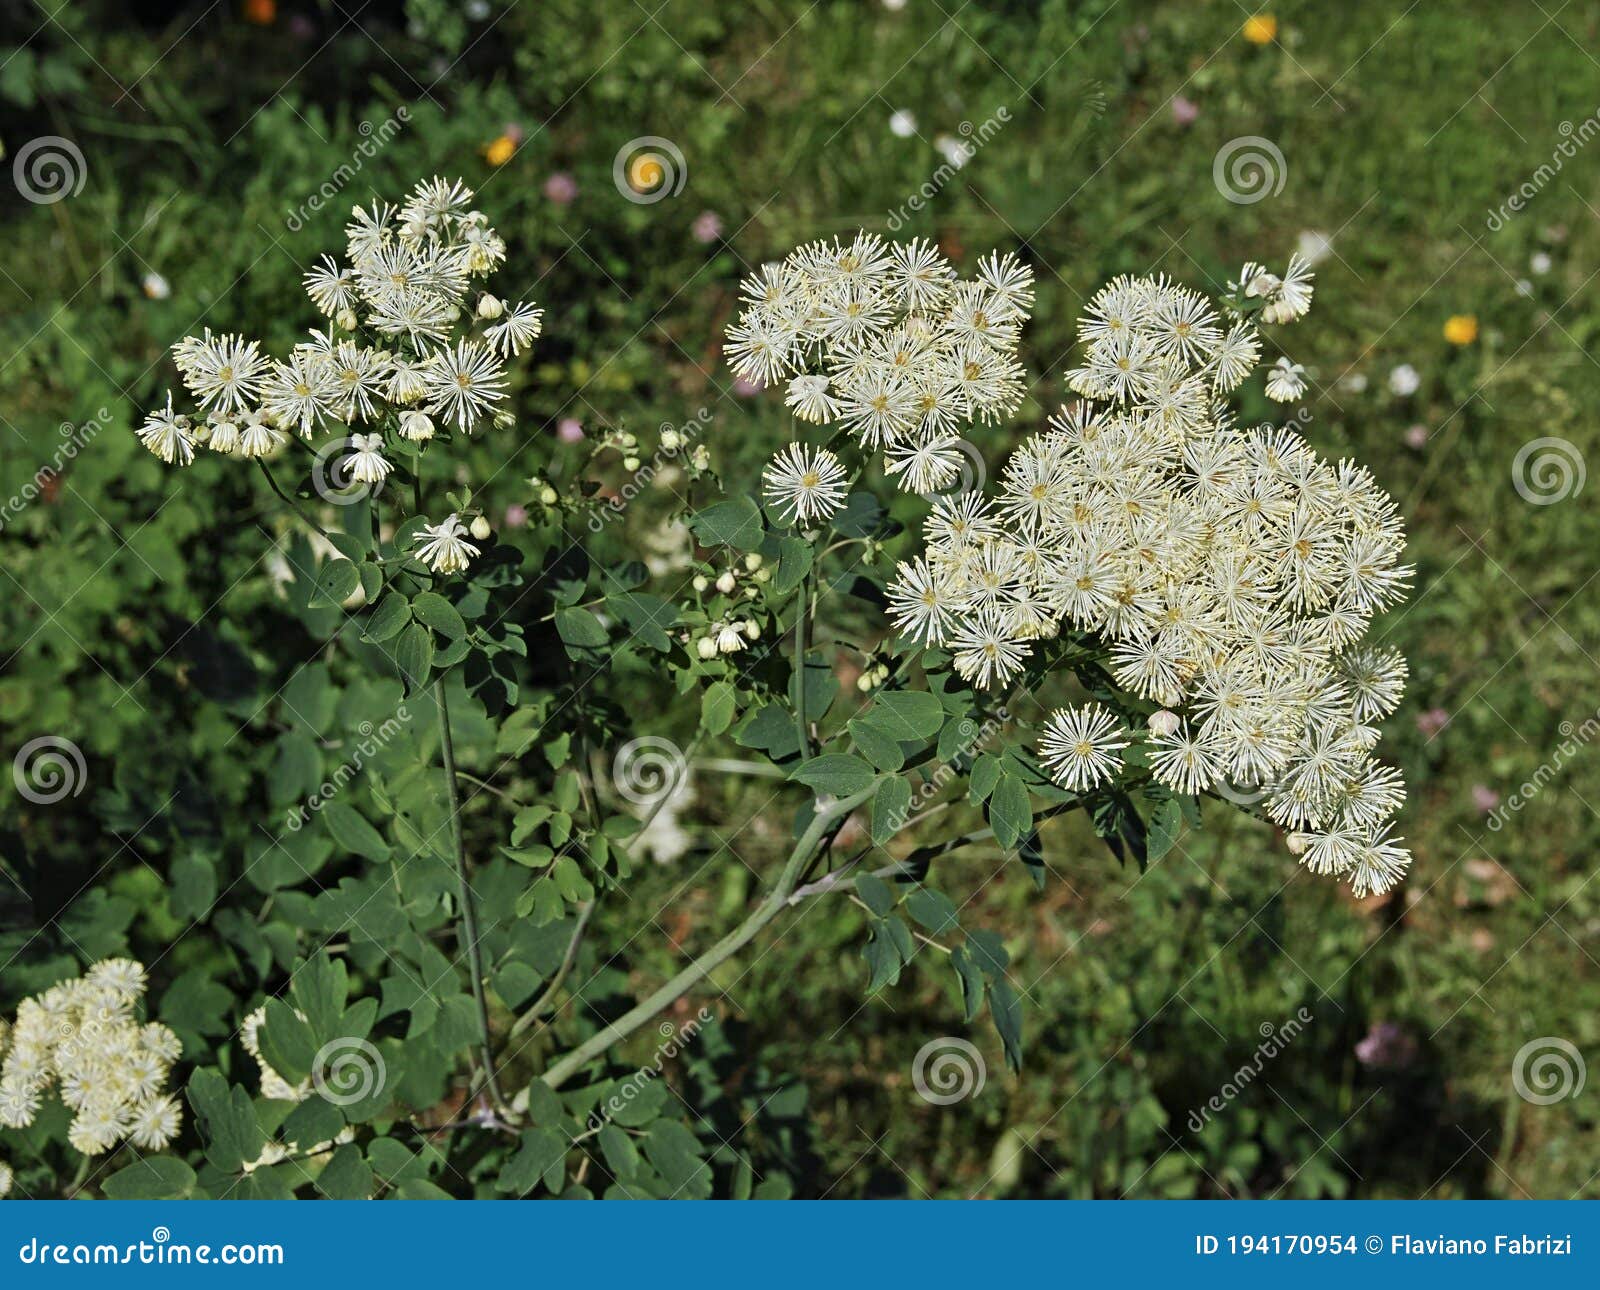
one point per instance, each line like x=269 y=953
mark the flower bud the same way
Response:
x=490 y=308
x=752 y=562
x=416 y=426
x=752 y=629
x=630 y=463
x=706 y=647
x=1298 y=843
x=547 y=496
x=763 y=575
x=726 y=582
x=480 y=528
x=701 y=582
x=347 y=319
x=1163 y=723
x=670 y=439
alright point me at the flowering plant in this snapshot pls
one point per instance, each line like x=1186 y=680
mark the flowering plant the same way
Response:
x=1182 y=601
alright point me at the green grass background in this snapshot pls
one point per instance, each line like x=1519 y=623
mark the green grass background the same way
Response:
x=1401 y=125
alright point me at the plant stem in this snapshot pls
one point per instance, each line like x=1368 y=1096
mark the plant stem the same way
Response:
x=559 y=979
x=770 y=907
x=287 y=500
x=800 y=668
x=469 y=913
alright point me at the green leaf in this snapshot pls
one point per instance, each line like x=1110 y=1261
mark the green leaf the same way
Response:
x=837 y=773
x=579 y=629
x=1166 y=823
x=542 y=1151
x=353 y=833
x=859 y=517
x=794 y=562
x=972 y=985
x=152 y=1178
x=226 y=1119
x=336 y=581
x=393 y=613
x=933 y=910
x=770 y=730
x=718 y=706
x=413 y=655
x=736 y=524
x=875 y=893
x=883 y=957
x=881 y=749
x=1006 y=1010
x=648 y=617
x=890 y=807
x=907 y=715
x=438 y=613
x=1010 y=811
x=985 y=774
x=347 y=1176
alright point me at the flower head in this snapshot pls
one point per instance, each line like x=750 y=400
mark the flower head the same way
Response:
x=806 y=485
x=443 y=547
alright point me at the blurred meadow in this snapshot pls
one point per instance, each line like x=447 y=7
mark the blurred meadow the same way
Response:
x=1440 y=164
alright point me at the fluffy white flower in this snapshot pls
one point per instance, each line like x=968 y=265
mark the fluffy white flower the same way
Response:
x=806 y=485
x=443 y=546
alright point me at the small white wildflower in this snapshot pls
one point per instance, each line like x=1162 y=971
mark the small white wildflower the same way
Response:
x=805 y=485
x=442 y=547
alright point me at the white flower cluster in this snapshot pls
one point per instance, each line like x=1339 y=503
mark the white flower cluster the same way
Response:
x=908 y=354
x=1231 y=572
x=403 y=353
x=81 y=1038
